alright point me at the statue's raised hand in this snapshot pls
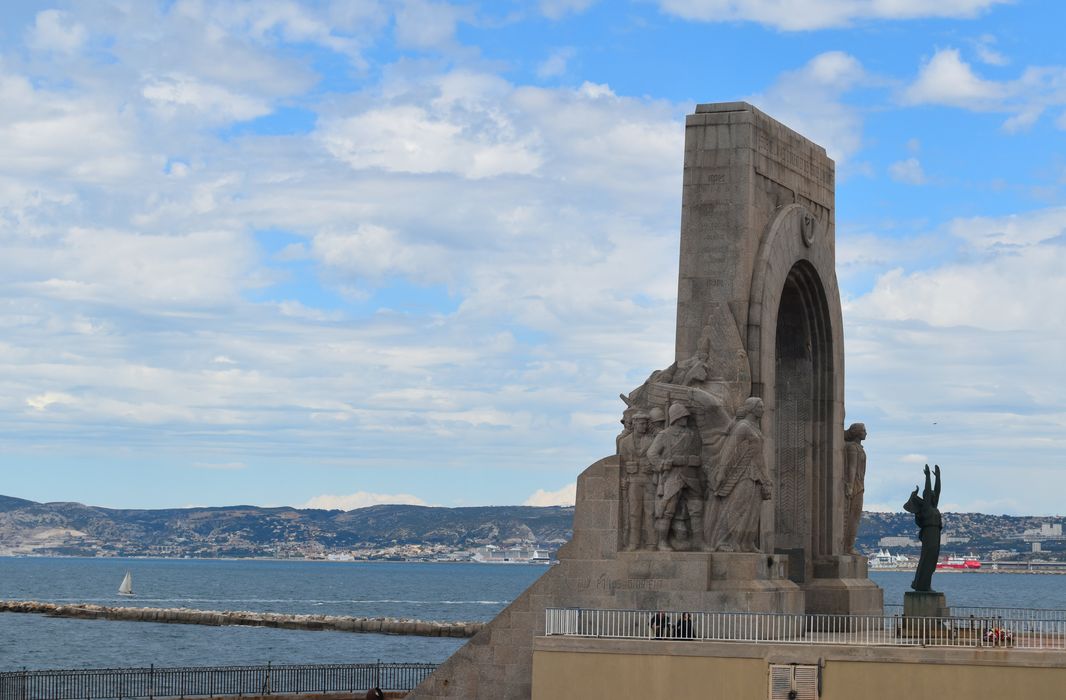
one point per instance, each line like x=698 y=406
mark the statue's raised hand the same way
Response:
x=936 y=470
x=927 y=469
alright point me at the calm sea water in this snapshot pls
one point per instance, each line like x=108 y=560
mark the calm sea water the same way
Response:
x=425 y=591
x=411 y=590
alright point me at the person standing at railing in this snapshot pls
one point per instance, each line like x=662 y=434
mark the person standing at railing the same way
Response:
x=683 y=629
x=375 y=694
x=660 y=625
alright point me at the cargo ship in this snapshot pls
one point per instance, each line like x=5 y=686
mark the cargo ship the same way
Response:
x=959 y=563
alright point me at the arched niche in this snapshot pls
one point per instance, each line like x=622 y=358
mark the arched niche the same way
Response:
x=795 y=345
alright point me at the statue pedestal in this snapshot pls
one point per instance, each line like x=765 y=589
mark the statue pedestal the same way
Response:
x=925 y=604
x=841 y=586
x=922 y=611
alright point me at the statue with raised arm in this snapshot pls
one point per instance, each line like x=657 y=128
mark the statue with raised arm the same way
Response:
x=927 y=517
x=854 y=480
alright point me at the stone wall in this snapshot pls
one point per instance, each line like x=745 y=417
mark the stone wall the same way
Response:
x=582 y=669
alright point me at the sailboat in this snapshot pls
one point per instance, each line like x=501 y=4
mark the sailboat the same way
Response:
x=126 y=587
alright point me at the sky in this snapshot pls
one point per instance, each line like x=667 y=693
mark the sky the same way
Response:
x=332 y=254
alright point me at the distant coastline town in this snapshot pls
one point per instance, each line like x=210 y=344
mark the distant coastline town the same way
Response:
x=490 y=534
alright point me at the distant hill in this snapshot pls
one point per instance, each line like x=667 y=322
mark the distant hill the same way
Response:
x=392 y=531
x=73 y=528
x=978 y=533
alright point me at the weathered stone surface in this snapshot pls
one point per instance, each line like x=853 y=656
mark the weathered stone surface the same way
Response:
x=925 y=604
x=758 y=325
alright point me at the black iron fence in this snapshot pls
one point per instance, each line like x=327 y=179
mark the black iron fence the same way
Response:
x=208 y=681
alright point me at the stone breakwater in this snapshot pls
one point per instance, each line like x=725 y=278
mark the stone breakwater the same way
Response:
x=187 y=616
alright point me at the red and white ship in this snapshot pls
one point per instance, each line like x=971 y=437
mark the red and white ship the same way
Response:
x=962 y=563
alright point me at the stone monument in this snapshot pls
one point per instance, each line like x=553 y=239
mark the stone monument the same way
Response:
x=728 y=490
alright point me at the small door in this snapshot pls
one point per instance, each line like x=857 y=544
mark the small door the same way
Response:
x=793 y=682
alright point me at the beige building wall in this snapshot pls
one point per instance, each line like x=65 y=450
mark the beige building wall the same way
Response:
x=558 y=676
x=581 y=669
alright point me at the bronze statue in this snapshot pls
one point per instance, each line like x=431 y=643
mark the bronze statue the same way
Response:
x=928 y=519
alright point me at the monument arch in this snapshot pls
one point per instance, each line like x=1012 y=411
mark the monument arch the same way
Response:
x=795 y=342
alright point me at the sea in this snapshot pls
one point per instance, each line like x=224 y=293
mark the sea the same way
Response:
x=427 y=591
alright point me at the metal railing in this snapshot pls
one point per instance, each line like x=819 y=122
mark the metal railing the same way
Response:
x=208 y=681
x=993 y=613
x=884 y=630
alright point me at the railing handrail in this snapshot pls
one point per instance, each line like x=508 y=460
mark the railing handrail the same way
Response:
x=192 y=681
x=804 y=628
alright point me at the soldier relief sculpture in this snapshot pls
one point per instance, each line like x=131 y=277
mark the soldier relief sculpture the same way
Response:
x=699 y=482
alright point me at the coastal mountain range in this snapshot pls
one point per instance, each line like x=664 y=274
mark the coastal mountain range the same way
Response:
x=385 y=531
x=394 y=531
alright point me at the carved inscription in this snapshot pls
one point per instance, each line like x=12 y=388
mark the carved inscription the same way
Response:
x=780 y=152
x=610 y=585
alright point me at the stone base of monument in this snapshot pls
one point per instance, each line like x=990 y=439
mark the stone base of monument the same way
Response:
x=921 y=610
x=702 y=581
x=841 y=586
x=925 y=604
x=594 y=574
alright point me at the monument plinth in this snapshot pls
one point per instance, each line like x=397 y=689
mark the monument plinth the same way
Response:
x=734 y=486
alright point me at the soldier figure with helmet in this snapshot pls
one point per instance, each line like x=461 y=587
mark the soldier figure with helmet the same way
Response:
x=675 y=455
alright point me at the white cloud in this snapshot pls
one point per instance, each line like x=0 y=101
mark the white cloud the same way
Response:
x=175 y=91
x=914 y=459
x=220 y=466
x=421 y=24
x=556 y=9
x=908 y=171
x=375 y=252
x=49 y=398
x=415 y=140
x=809 y=100
x=986 y=54
x=947 y=79
x=43 y=132
x=55 y=30
x=360 y=499
x=566 y=496
x=105 y=265
x=820 y=14
x=1013 y=230
x=555 y=64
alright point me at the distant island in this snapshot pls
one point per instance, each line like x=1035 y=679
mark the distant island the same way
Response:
x=421 y=533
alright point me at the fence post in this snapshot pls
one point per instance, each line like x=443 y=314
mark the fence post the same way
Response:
x=266 y=681
x=377 y=674
x=151 y=681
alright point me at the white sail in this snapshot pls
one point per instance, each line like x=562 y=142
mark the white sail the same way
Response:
x=126 y=587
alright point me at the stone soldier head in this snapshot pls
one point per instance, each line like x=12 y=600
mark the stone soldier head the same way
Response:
x=657 y=417
x=856 y=432
x=679 y=413
x=640 y=422
x=752 y=406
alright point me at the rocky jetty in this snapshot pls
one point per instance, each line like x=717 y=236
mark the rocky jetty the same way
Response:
x=187 y=616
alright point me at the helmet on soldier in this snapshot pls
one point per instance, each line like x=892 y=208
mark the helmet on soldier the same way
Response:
x=677 y=412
